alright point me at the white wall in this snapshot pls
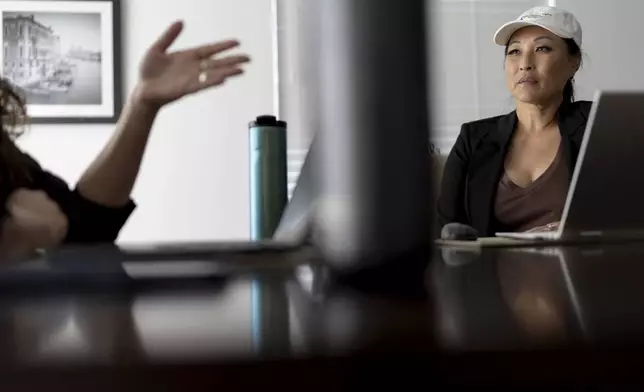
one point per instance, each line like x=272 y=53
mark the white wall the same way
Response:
x=467 y=67
x=613 y=58
x=194 y=180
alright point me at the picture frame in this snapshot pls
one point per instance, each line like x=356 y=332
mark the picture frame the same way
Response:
x=64 y=57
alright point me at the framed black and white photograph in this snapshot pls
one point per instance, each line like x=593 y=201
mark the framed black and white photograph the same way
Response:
x=64 y=56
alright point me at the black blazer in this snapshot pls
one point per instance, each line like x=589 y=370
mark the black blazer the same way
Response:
x=475 y=165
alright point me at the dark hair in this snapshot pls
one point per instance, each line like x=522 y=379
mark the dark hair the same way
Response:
x=13 y=117
x=569 y=89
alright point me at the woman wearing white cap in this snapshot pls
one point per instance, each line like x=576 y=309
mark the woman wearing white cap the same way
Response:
x=511 y=172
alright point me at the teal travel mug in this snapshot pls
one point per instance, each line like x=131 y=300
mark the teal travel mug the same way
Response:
x=268 y=175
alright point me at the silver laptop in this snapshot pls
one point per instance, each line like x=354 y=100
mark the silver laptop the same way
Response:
x=606 y=194
x=292 y=233
x=180 y=260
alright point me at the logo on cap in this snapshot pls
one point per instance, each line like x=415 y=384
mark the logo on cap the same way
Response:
x=535 y=16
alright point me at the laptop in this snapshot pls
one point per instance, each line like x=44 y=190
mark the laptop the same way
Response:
x=606 y=194
x=110 y=264
x=292 y=233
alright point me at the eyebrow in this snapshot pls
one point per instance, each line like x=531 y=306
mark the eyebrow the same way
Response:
x=543 y=37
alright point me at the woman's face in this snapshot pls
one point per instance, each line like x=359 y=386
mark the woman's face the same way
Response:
x=538 y=65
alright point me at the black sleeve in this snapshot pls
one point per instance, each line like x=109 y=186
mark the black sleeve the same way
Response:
x=89 y=222
x=451 y=202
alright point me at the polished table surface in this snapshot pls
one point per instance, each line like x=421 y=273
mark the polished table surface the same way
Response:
x=511 y=315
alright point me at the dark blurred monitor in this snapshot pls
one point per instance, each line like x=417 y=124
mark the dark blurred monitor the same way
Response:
x=375 y=202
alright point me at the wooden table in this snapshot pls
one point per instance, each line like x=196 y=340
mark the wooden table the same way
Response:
x=536 y=315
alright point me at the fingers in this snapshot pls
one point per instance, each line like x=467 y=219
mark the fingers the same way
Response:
x=549 y=227
x=36 y=217
x=553 y=226
x=220 y=75
x=32 y=201
x=216 y=77
x=225 y=62
x=230 y=72
x=536 y=229
x=168 y=37
x=203 y=52
x=23 y=196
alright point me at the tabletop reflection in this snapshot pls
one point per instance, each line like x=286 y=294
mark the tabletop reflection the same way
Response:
x=492 y=299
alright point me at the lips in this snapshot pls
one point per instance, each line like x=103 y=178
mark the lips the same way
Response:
x=527 y=80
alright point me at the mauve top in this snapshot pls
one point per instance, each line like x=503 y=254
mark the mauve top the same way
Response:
x=519 y=209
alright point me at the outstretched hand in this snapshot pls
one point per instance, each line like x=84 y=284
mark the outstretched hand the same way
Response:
x=167 y=76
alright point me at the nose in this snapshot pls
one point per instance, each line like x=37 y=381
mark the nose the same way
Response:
x=527 y=63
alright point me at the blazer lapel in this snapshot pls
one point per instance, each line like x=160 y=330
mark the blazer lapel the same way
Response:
x=486 y=168
x=572 y=125
x=488 y=156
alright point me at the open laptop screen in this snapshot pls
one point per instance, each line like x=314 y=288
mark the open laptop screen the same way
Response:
x=299 y=211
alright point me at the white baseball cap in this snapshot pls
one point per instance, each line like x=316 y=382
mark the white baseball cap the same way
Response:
x=556 y=20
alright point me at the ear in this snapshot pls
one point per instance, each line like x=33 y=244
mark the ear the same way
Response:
x=577 y=61
x=575 y=65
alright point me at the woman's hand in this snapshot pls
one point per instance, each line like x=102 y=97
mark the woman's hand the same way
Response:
x=554 y=226
x=33 y=221
x=167 y=76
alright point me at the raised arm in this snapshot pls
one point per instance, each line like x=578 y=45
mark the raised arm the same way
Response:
x=164 y=77
x=41 y=211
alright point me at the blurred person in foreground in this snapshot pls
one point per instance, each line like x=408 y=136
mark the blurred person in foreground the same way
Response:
x=41 y=211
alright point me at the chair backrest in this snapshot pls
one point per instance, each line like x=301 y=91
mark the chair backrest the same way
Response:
x=438 y=165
